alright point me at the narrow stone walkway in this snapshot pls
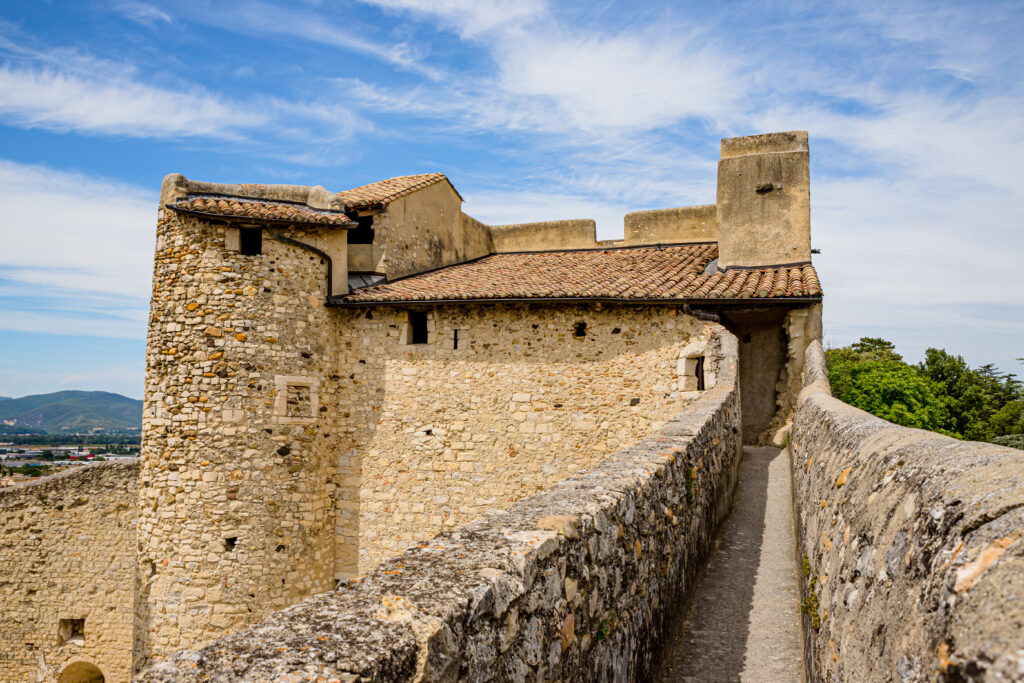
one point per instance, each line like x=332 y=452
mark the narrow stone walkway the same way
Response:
x=743 y=623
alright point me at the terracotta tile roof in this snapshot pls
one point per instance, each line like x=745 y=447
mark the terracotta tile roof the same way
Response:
x=672 y=272
x=384 y=191
x=277 y=211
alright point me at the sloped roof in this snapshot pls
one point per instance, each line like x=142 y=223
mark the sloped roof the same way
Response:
x=263 y=210
x=384 y=191
x=668 y=272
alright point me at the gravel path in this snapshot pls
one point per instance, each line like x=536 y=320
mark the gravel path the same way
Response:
x=743 y=623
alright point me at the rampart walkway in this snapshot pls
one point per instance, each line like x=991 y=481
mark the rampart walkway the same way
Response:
x=744 y=620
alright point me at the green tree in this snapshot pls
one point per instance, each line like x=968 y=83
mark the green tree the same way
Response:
x=873 y=377
x=974 y=396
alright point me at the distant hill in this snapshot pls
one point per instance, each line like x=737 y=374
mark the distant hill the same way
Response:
x=64 y=412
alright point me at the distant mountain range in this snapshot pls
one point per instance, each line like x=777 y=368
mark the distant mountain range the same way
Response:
x=70 y=412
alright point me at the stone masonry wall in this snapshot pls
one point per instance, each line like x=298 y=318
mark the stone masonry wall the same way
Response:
x=237 y=467
x=914 y=563
x=444 y=431
x=574 y=583
x=67 y=551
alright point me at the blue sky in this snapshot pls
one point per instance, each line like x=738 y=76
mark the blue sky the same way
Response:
x=536 y=110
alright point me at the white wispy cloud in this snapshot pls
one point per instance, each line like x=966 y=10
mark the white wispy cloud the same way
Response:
x=142 y=13
x=324 y=26
x=78 y=252
x=557 y=78
x=62 y=101
x=64 y=90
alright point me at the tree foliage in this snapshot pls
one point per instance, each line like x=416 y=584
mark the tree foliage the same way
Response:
x=942 y=393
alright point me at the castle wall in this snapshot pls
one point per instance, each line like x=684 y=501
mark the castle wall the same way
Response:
x=686 y=224
x=443 y=434
x=563 y=234
x=237 y=471
x=426 y=230
x=575 y=583
x=911 y=546
x=67 y=552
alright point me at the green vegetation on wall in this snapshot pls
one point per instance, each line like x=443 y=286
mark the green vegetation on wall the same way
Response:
x=942 y=393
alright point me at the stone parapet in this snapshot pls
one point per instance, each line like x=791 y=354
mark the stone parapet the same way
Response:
x=577 y=582
x=565 y=234
x=911 y=546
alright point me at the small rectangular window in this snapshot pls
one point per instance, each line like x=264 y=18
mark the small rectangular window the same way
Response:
x=250 y=241
x=417 y=327
x=700 y=373
x=363 y=232
x=455 y=340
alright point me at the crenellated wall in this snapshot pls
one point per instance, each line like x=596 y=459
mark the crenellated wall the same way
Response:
x=67 y=552
x=573 y=583
x=913 y=560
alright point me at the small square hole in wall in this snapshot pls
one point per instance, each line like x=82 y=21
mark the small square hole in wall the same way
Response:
x=297 y=401
x=71 y=630
x=579 y=330
x=230 y=543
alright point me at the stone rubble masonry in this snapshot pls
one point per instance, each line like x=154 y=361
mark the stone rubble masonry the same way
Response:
x=67 y=551
x=576 y=582
x=235 y=490
x=914 y=559
x=288 y=445
x=440 y=434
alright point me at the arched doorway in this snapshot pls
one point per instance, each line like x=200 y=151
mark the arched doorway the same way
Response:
x=81 y=672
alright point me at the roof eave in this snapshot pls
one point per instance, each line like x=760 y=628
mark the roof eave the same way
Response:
x=230 y=217
x=344 y=302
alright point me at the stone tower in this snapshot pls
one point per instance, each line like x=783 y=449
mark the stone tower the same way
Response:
x=237 y=479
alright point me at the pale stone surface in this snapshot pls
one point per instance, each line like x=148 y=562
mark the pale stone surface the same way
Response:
x=489 y=600
x=441 y=435
x=686 y=224
x=912 y=542
x=764 y=200
x=67 y=551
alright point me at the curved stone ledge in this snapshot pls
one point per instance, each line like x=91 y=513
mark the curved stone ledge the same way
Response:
x=575 y=583
x=912 y=544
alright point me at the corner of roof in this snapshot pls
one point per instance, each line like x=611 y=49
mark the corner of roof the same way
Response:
x=413 y=183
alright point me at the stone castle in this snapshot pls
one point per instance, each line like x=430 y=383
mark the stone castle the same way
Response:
x=335 y=379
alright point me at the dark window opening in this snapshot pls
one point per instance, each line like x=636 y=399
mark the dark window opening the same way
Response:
x=616 y=330
x=363 y=232
x=71 y=630
x=417 y=327
x=700 y=373
x=230 y=543
x=580 y=330
x=250 y=241
x=455 y=340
